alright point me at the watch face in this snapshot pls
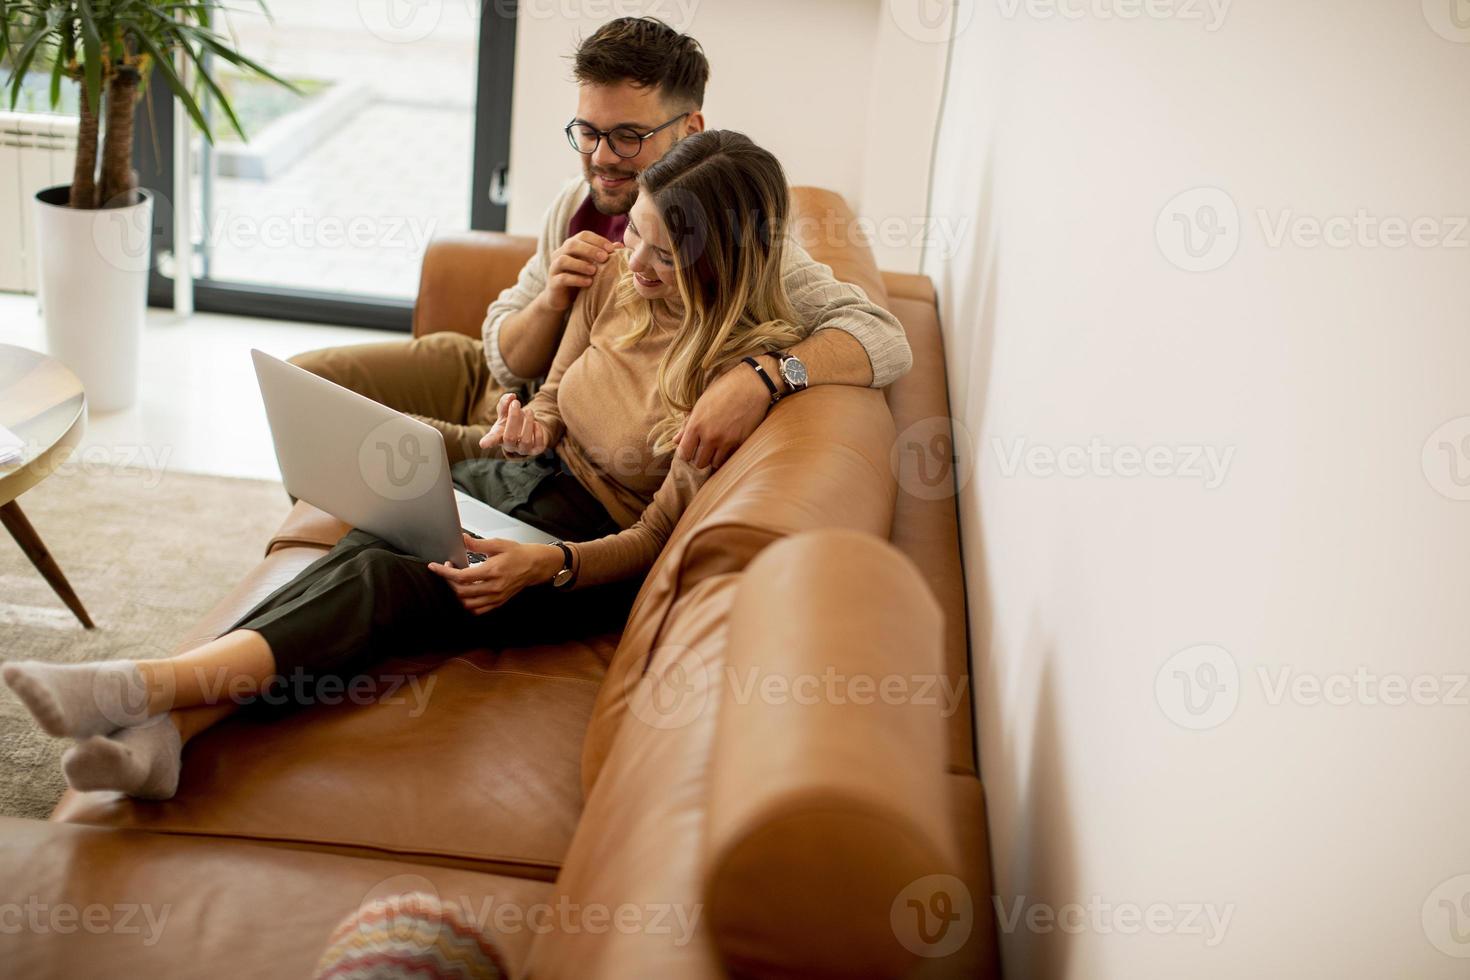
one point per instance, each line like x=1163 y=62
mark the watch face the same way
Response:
x=794 y=372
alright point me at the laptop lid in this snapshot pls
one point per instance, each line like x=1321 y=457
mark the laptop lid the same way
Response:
x=361 y=461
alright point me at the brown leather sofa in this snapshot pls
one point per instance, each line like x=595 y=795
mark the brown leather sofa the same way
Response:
x=759 y=776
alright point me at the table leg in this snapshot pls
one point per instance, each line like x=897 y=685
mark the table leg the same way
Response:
x=30 y=542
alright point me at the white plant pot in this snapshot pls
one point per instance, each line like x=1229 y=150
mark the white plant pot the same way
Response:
x=94 y=291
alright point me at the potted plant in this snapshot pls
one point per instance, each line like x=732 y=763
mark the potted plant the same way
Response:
x=93 y=235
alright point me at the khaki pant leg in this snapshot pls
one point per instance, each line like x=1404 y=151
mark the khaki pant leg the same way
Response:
x=441 y=379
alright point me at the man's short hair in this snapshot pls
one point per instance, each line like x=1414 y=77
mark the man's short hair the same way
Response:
x=646 y=52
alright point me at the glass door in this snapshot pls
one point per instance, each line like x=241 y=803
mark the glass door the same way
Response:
x=399 y=131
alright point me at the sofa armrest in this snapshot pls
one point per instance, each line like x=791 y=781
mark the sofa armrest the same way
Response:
x=828 y=795
x=308 y=526
x=462 y=274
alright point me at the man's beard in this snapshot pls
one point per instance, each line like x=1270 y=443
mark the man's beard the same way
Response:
x=619 y=202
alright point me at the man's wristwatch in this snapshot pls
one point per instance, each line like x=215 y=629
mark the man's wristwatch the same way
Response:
x=564 y=576
x=793 y=371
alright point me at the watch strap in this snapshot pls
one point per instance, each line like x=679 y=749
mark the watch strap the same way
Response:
x=567 y=562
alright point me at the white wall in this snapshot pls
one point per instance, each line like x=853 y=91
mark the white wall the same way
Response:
x=807 y=79
x=1332 y=834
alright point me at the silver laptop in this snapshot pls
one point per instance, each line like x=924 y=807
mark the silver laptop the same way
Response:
x=373 y=467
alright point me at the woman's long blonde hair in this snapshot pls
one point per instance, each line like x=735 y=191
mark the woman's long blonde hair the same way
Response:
x=724 y=202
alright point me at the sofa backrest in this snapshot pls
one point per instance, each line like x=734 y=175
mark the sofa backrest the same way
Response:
x=462 y=274
x=827 y=228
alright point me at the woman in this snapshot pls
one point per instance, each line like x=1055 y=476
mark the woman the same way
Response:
x=590 y=460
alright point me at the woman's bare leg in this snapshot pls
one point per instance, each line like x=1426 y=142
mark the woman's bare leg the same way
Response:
x=223 y=671
x=189 y=722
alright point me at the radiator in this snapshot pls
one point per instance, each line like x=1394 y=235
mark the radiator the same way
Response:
x=36 y=151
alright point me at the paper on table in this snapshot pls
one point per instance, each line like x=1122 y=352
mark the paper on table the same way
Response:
x=10 y=445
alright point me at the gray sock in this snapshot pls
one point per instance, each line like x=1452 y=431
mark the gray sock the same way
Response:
x=143 y=761
x=78 y=700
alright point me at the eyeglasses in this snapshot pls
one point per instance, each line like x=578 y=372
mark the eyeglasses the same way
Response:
x=625 y=141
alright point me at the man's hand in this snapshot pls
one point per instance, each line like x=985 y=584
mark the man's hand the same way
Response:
x=510 y=567
x=573 y=265
x=724 y=416
x=516 y=429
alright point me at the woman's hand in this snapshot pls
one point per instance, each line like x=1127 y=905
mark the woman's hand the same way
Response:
x=516 y=429
x=725 y=415
x=510 y=567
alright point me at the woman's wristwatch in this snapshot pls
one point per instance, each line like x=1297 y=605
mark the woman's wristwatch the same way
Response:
x=564 y=577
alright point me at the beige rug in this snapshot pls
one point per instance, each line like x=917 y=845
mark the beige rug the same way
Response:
x=148 y=553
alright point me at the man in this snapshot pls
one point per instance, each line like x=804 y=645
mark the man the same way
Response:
x=640 y=90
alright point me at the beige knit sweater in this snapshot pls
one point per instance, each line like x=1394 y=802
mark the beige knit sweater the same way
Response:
x=819 y=300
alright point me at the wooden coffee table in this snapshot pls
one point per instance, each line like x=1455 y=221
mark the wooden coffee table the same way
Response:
x=43 y=403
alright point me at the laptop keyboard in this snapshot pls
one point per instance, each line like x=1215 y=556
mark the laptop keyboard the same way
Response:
x=474 y=556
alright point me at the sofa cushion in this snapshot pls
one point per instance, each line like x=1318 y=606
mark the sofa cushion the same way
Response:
x=132 y=904
x=471 y=761
x=929 y=456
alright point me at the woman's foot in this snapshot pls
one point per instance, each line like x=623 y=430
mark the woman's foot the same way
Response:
x=79 y=700
x=143 y=761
